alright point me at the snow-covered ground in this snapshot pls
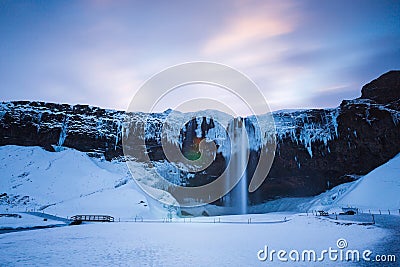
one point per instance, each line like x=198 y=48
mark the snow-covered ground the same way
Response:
x=24 y=220
x=184 y=244
x=69 y=182
x=379 y=189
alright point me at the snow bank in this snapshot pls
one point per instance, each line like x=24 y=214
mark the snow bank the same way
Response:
x=24 y=220
x=69 y=182
x=379 y=189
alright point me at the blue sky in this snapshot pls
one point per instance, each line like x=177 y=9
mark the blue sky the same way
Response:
x=301 y=54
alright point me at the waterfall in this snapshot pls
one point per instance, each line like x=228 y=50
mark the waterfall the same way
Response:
x=238 y=197
x=242 y=161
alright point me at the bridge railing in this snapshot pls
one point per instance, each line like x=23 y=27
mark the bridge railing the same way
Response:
x=93 y=218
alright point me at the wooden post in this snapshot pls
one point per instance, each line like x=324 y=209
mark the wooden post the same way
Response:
x=380 y=213
x=373 y=219
x=389 y=211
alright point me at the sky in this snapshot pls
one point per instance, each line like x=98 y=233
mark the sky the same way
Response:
x=301 y=54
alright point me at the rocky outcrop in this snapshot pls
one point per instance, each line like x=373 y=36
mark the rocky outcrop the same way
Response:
x=383 y=90
x=49 y=125
x=316 y=149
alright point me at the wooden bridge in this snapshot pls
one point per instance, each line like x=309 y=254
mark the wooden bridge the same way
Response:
x=93 y=218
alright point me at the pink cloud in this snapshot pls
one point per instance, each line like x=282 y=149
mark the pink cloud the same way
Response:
x=253 y=24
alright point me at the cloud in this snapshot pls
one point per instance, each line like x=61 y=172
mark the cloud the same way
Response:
x=245 y=31
x=254 y=39
x=249 y=27
x=332 y=97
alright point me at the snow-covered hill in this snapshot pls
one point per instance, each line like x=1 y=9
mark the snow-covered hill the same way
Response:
x=378 y=190
x=69 y=182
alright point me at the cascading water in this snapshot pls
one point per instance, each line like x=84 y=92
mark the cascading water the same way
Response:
x=238 y=197
x=242 y=159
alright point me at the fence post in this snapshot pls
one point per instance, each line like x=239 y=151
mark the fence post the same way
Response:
x=373 y=219
x=389 y=211
x=380 y=213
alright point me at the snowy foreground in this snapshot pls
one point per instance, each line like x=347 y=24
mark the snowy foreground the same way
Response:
x=194 y=243
x=70 y=182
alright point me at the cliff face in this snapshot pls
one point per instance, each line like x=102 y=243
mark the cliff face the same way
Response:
x=316 y=149
x=84 y=128
x=366 y=135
